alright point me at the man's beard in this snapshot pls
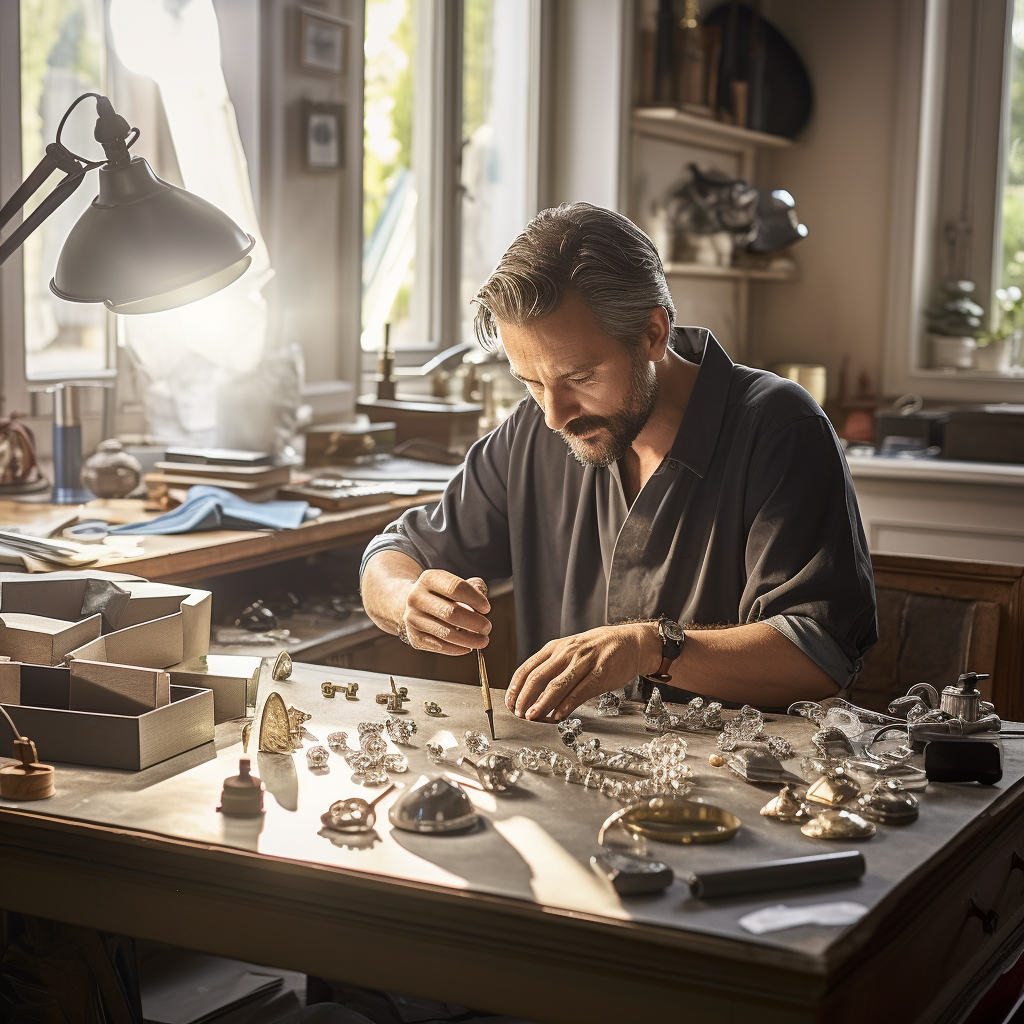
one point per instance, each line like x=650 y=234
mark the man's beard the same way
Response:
x=617 y=432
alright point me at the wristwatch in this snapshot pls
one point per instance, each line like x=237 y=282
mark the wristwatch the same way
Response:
x=672 y=639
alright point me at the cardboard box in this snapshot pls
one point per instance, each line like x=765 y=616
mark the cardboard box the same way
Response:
x=154 y=625
x=231 y=677
x=43 y=640
x=72 y=598
x=10 y=682
x=131 y=742
x=156 y=644
x=117 y=689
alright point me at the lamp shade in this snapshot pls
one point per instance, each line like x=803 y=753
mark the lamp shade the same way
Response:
x=144 y=245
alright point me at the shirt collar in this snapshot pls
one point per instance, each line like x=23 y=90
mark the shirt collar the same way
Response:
x=698 y=433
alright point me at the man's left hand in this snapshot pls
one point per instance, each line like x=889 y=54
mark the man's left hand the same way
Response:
x=565 y=673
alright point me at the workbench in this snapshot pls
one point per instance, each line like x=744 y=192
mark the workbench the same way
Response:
x=510 y=918
x=187 y=557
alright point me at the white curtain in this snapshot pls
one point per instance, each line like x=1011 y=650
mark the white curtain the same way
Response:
x=208 y=374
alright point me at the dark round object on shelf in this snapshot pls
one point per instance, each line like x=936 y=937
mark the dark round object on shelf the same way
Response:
x=784 y=107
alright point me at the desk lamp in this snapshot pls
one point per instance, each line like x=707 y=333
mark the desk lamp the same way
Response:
x=142 y=245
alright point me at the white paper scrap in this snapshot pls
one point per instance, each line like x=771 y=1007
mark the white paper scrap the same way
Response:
x=775 y=919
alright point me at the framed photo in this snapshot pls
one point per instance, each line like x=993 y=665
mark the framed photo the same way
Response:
x=325 y=136
x=323 y=41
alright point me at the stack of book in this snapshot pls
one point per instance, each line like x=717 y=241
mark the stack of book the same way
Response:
x=250 y=475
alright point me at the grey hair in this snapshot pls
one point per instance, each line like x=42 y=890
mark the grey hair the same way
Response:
x=602 y=256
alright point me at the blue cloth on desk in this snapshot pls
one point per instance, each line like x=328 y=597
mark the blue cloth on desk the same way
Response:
x=213 y=508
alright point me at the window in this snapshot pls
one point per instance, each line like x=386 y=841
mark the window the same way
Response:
x=957 y=205
x=1013 y=179
x=448 y=148
x=62 y=56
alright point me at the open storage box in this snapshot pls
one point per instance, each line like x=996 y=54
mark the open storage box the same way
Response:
x=133 y=742
x=152 y=625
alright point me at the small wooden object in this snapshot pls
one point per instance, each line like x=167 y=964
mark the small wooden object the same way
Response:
x=28 y=780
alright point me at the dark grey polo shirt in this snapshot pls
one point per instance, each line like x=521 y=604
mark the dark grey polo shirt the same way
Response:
x=751 y=517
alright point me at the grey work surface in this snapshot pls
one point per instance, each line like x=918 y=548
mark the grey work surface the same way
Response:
x=534 y=845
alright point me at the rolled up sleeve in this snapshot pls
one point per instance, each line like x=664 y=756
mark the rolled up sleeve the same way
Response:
x=466 y=532
x=808 y=567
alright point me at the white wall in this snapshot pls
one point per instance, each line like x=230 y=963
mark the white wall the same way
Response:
x=312 y=220
x=840 y=173
x=591 y=63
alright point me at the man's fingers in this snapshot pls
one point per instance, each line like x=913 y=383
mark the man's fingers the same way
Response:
x=520 y=675
x=560 y=672
x=453 y=615
x=448 y=585
x=549 y=696
x=429 y=626
x=428 y=642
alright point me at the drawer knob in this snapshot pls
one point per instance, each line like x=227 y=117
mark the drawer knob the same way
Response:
x=989 y=918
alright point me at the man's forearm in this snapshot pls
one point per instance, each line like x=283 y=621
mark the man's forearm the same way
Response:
x=749 y=664
x=387 y=579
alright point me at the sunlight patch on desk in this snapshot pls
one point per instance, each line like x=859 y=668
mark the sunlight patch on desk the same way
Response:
x=558 y=878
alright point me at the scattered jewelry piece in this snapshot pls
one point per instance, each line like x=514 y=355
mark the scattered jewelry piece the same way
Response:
x=888 y=803
x=329 y=689
x=569 y=730
x=433 y=709
x=382 y=698
x=838 y=823
x=833 y=788
x=608 y=705
x=316 y=757
x=716 y=761
x=780 y=747
x=671 y=819
x=401 y=732
x=338 y=741
x=353 y=814
x=655 y=714
x=787 y=806
x=282 y=667
x=352 y=691
x=758 y=765
x=395 y=705
x=476 y=741
x=498 y=773
x=435 y=751
x=833 y=744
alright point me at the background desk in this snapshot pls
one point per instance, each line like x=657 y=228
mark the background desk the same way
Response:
x=510 y=918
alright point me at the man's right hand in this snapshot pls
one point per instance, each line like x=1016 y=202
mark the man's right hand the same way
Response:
x=444 y=613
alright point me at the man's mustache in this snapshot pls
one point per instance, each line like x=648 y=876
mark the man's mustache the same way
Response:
x=584 y=425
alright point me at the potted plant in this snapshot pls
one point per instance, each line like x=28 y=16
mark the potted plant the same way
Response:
x=995 y=347
x=954 y=322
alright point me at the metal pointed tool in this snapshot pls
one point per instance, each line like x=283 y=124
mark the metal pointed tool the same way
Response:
x=485 y=687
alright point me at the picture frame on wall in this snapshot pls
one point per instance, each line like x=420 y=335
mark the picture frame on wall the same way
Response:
x=323 y=41
x=324 y=136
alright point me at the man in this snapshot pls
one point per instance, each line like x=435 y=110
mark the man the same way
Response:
x=647 y=481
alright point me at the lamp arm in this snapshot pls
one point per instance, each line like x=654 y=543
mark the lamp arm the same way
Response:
x=60 y=193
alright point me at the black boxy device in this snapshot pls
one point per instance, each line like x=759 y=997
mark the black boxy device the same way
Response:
x=987 y=433
x=976 y=758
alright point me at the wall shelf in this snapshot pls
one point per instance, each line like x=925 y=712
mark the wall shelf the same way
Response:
x=729 y=273
x=679 y=127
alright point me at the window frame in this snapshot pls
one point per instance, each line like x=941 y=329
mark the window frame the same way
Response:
x=940 y=169
x=18 y=391
x=438 y=159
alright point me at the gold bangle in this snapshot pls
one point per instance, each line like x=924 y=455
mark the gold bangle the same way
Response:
x=674 y=820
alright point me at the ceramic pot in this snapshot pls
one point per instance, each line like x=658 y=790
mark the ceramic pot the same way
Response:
x=952 y=352
x=994 y=357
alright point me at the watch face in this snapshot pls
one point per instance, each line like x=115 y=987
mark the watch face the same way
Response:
x=671 y=630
